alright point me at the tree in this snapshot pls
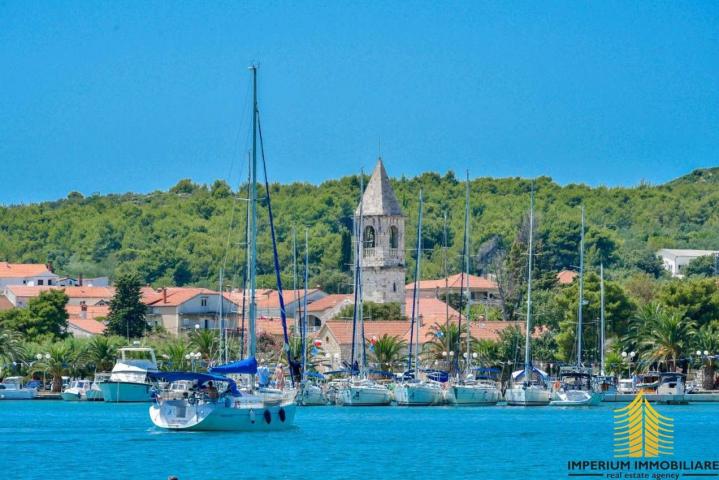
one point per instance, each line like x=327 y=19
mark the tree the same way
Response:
x=207 y=343
x=707 y=340
x=667 y=339
x=102 y=351
x=44 y=318
x=127 y=312
x=61 y=358
x=697 y=298
x=174 y=351
x=388 y=351
x=375 y=311
x=705 y=266
x=11 y=348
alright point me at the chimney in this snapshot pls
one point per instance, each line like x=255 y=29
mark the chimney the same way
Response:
x=83 y=310
x=79 y=280
x=164 y=294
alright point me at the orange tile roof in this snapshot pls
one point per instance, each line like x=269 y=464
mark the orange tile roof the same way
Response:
x=430 y=309
x=330 y=301
x=72 y=292
x=21 y=270
x=89 y=324
x=455 y=281
x=172 y=296
x=269 y=299
x=342 y=329
x=565 y=277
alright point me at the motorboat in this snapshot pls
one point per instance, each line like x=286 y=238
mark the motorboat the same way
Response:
x=625 y=386
x=604 y=384
x=419 y=393
x=528 y=392
x=128 y=381
x=12 y=388
x=94 y=393
x=573 y=388
x=364 y=393
x=214 y=403
x=76 y=390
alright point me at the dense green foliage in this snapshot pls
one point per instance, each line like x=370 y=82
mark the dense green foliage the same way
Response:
x=127 y=312
x=44 y=318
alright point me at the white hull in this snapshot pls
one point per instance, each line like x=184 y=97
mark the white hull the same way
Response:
x=21 y=394
x=527 y=397
x=311 y=395
x=365 y=396
x=93 y=395
x=115 y=392
x=71 y=395
x=473 y=395
x=418 y=394
x=576 y=398
x=179 y=415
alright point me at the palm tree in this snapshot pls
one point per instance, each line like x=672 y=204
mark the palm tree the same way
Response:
x=614 y=363
x=207 y=342
x=174 y=351
x=61 y=357
x=11 y=347
x=666 y=338
x=707 y=340
x=443 y=342
x=101 y=352
x=487 y=351
x=387 y=351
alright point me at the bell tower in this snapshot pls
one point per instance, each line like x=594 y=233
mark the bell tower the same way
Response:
x=382 y=250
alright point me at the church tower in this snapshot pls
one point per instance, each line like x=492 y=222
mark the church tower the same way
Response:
x=382 y=251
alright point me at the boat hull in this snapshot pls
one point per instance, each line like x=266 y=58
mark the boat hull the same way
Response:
x=22 y=394
x=120 y=392
x=71 y=396
x=361 y=396
x=311 y=396
x=179 y=415
x=418 y=395
x=94 y=395
x=576 y=398
x=473 y=395
x=527 y=397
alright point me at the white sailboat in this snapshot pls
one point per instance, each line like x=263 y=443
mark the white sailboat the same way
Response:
x=528 y=386
x=413 y=391
x=575 y=383
x=466 y=389
x=129 y=381
x=226 y=408
x=360 y=390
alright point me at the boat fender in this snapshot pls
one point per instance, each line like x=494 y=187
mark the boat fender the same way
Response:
x=268 y=416
x=252 y=416
x=282 y=415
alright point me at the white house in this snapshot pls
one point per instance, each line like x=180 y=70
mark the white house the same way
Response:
x=181 y=310
x=675 y=260
x=26 y=274
x=20 y=295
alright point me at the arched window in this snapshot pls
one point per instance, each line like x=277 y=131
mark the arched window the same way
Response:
x=369 y=240
x=393 y=237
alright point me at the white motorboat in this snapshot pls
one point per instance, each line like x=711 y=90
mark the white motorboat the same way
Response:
x=94 y=393
x=209 y=410
x=573 y=388
x=625 y=386
x=12 y=389
x=77 y=390
x=418 y=393
x=364 y=393
x=128 y=381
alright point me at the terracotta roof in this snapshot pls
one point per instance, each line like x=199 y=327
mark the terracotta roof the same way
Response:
x=21 y=270
x=565 y=277
x=172 y=296
x=455 y=281
x=430 y=309
x=269 y=299
x=342 y=329
x=72 y=292
x=325 y=303
x=5 y=304
x=89 y=324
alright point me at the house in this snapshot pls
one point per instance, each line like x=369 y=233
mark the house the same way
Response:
x=86 y=320
x=326 y=308
x=80 y=281
x=19 y=295
x=268 y=301
x=675 y=260
x=566 y=277
x=26 y=274
x=482 y=289
x=181 y=310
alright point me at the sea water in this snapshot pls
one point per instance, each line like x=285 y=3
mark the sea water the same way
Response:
x=80 y=440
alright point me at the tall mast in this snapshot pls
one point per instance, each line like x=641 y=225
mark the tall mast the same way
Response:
x=527 y=336
x=446 y=276
x=252 y=234
x=357 y=279
x=601 y=318
x=247 y=257
x=466 y=272
x=223 y=340
x=581 y=293
x=303 y=327
x=360 y=297
x=415 y=294
x=298 y=315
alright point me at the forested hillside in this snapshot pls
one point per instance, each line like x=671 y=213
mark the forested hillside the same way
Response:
x=183 y=236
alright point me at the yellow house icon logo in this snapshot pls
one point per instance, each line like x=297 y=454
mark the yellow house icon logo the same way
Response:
x=640 y=431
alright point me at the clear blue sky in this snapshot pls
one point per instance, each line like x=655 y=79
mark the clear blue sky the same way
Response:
x=132 y=95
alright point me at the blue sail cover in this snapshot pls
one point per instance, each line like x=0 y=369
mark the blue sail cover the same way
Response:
x=247 y=366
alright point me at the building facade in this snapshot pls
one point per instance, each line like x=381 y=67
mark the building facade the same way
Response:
x=675 y=260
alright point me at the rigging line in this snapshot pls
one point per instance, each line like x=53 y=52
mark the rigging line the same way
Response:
x=283 y=313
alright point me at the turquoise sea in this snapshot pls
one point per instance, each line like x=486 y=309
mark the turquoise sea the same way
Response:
x=61 y=440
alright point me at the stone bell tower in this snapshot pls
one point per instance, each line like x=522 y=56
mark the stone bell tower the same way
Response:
x=382 y=250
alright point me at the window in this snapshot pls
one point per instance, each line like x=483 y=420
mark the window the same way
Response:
x=393 y=237
x=206 y=324
x=203 y=301
x=369 y=237
x=394 y=287
x=39 y=282
x=49 y=282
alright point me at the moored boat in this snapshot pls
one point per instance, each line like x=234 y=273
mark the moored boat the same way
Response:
x=12 y=388
x=77 y=390
x=129 y=381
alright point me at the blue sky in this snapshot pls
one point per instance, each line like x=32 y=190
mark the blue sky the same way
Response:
x=132 y=96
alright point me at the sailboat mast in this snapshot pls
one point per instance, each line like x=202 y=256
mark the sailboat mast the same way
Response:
x=415 y=294
x=446 y=276
x=294 y=279
x=357 y=279
x=247 y=257
x=466 y=272
x=527 y=336
x=581 y=293
x=601 y=318
x=252 y=234
x=223 y=340
x=304 y=309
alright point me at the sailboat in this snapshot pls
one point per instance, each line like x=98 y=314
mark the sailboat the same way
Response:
x=528 y=386
x=359 y=389
x=575 y=383
x=217 y=403
x=412 y=391
x=310 y=393
x=603 y=383
x=466 y=389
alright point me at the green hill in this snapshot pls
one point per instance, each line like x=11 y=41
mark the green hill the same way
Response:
x=181 y=236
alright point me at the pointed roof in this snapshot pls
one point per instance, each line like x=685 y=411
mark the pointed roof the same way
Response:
x=379 y=197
